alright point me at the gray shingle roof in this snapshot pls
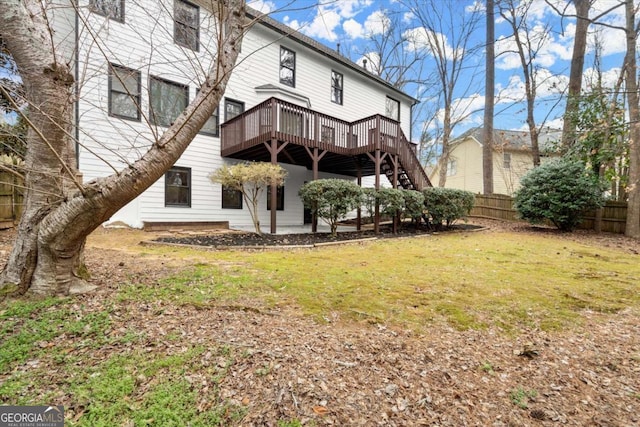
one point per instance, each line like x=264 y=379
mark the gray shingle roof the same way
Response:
x=515 y=140
x=307 y=41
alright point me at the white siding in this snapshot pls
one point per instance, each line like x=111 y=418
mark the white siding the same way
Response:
x=144 y=42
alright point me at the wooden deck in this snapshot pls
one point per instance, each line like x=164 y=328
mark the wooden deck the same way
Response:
x=277 y=130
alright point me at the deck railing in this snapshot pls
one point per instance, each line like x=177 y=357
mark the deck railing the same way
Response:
x=284 y=121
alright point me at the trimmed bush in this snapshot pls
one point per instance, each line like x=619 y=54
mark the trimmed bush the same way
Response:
x=390 y=200
x=331 y=199
x=444 y=206
x=413 y=204
x=558 y=191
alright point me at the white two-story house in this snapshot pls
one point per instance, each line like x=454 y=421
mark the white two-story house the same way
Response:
x=139 y=63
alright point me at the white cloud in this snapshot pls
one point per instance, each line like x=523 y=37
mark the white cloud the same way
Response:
x=422 y=39
x=329 y=17
x=377 y=23
x=476 y=6
x=264 y=6
x=323 y=25
x=608 y=78
x=353 y=29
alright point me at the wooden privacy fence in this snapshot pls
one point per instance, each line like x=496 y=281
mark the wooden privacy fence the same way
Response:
x=500 y=207
x=10 y=199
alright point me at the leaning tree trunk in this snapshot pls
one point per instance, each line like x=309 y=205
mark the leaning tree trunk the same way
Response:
x=632 y=226
x=575 y=75
x=60 y=213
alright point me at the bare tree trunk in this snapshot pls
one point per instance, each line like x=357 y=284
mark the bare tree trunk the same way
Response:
x=487 y=148
x=446 y=151
x=57 y=217
x=632 y=227
x=577 y=67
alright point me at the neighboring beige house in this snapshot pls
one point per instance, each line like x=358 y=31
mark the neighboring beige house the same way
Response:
x=511 y=159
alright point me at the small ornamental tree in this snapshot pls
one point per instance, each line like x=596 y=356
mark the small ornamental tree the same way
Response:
x=250 y=179
x=558 y=191
x=331 y=199
x=413 y=204
x=444 y=206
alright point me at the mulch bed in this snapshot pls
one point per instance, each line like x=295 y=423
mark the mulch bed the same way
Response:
x=242 y=239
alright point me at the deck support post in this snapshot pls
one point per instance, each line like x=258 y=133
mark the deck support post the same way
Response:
x=274 y=150
x=376 y=221
x=316 y=156
x=273 y=188
x=359 y=210
x=394 y=184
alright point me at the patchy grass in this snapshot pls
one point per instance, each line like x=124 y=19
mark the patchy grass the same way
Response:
x=471 y=280
x=106 y=373
x=54 y=344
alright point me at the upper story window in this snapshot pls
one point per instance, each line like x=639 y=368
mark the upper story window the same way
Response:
x=177 y=187
x=336 y=87
x=232 y=108
x=166 y=100
x=452 y=167
x=392 y=109
x=211 y=127
x=124 y=92
x=287 y=67
x=506 y=160
x=112 y=9
x=186 y=24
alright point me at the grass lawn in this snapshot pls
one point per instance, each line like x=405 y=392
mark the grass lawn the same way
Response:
x=82 y=351
x=473 y=280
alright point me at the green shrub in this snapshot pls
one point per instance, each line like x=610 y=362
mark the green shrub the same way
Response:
x=331 y=199
x=558 y=191
x=413 y=204
x=444 y=206
x=369 y=202
x=390 y=200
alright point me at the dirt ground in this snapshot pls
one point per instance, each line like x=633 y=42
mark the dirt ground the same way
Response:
x=349 y=374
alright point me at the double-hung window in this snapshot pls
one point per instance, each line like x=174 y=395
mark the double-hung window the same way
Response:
x=506 y=160
x=124 y=92
x=177 y=187
x=336 y=87
x=112 y=9
x=186 y=24
x=287 y=67
x=392 y=109
x=231 y=199
x=166 y=100
x=232 y=108
x=211 y=127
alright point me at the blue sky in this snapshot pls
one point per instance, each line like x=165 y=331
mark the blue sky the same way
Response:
x=351 y=22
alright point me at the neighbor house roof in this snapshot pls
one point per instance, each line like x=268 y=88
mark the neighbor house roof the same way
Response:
x=513 y=139
x=322 y=49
